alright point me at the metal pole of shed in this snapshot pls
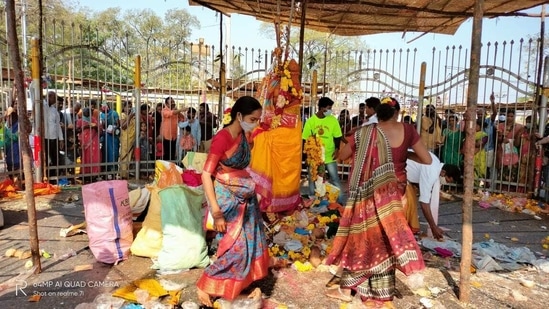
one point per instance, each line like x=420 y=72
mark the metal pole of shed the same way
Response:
x=137 y=94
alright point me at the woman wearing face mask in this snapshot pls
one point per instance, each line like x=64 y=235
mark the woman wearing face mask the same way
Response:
x=242 y=255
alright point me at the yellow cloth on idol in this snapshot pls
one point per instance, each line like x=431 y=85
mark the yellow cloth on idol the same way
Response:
x=276 y=167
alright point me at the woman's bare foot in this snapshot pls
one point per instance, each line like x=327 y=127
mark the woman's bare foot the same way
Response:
x=204 y=298
x=255 y=294
x=341 y=294
x=378 y=304
x=277 y=263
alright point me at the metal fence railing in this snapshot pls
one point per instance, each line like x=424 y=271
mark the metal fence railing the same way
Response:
x=98 y=81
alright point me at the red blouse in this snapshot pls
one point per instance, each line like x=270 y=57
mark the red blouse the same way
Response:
x=223 y=146
x=400 y=153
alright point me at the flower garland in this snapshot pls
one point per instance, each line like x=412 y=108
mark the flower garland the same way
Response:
x=314 y=150
x=227 y=116
x=290 y=90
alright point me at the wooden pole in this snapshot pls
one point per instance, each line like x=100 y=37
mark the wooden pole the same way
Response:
x=302 y=38
x=421 y=95
x=470 y=128
x=24 y=130
x=222 y=73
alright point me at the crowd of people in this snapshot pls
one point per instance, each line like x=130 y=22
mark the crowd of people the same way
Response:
x=503 y=147
x=104 y=141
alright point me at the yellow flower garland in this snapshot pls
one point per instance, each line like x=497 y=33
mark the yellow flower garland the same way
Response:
x=315 y=160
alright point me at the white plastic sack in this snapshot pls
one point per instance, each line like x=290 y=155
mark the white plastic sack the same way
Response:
x=108 y=220
x=138 y=201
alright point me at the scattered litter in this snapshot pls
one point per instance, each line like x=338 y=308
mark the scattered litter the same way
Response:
x=141 y=289
x=169 y=285
x=189 y=305
x=29 y=264
x=83 y=267
x=537 y=217
x=527 y=283
x=494 y=222
x=476 y=284
x=518 y=296
x=70 y=253
x=435 y=291
x=35 y=298
x=485 y=263
x=415 y=281
x=426 y=302
x=543 y=227
x=73 y=230
x=10 y=252
x=541 y=264
x=45 y=254
x=423 y=292
x=18 y=253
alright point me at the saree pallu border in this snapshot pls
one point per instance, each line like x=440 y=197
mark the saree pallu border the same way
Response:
x=230 y=288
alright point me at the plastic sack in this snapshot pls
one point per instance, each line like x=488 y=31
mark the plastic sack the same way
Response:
x=108 y=220
x=148 y=241
x=195 y=161
x=160 y=166
x=183 y=243
x=192 y=178
x=170 y=177
x=138 y=201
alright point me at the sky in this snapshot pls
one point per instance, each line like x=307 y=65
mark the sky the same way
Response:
x=245 y=32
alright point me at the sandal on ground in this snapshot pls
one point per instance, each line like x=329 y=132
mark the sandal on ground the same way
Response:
x=333 y=282
x=338 y=294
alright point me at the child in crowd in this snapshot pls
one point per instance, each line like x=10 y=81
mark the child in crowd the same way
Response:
x=145 y=143
x=159 y=151
x=187 y=141
x=479 y=161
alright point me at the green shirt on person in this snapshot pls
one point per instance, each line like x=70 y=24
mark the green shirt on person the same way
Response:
x=327 y=129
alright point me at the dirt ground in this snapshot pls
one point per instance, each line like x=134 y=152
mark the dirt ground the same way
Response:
x=283 y=288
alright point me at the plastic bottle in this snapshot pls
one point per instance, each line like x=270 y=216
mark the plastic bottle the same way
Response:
x=67 y=255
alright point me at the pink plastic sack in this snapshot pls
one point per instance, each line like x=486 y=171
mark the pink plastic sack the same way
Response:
x=109 y=220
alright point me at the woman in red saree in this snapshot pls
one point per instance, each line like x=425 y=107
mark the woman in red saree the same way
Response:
x=242 y=255
x=374 y=239
x=89 y=140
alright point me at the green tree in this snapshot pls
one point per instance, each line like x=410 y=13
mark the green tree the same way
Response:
x=339 y=54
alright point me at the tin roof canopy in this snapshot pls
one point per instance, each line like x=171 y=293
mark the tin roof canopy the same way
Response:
x=351 y=18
